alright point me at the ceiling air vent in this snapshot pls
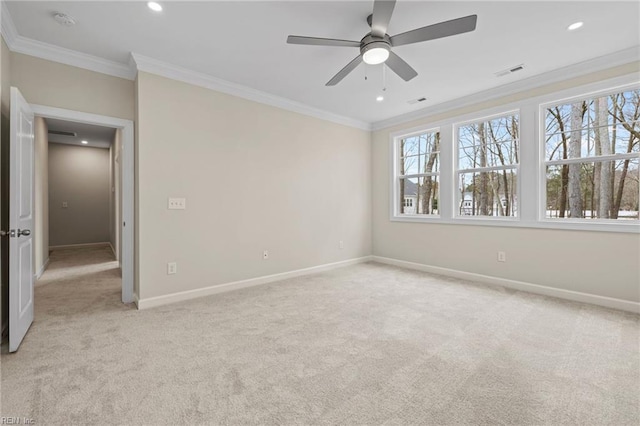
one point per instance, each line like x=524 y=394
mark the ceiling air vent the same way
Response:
x=510 y=70
x=416 y=101
x=61 y=133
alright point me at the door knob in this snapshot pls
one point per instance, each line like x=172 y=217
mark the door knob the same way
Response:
x=25 y=232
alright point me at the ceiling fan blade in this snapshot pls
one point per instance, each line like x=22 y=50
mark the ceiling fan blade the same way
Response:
x=400 y=67
x=345 y=71
x=382 y=11
x=432 y=32
x=316 y=41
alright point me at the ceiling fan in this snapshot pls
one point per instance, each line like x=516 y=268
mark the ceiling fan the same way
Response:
x=375 y=47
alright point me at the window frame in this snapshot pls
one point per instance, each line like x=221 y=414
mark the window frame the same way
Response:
x=456 y=171
x=531 y=167
x=396 y=157
x=543 y=163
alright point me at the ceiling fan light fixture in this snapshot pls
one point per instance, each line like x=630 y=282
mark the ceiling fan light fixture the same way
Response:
x=376 y=55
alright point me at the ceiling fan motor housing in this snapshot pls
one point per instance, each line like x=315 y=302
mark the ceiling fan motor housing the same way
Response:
x=372 y=42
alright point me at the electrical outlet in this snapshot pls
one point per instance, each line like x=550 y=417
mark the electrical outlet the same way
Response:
x=172 y=268
x=265 y=254
x=502 y=256
x=341 y=244
x=177 y=203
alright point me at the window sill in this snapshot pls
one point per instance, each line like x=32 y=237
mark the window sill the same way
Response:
x=566 y=224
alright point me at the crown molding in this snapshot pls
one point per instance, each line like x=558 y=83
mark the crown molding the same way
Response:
x=71 y=57
x=174 y=72
x=7 y=27
x=621 y=57
x=137 y=62
x=39 y=49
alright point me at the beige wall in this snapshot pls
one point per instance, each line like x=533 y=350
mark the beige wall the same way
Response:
x=49 y=83
x=41 y=223
x=78 y=175
x=115 y=206
x=255 y=177
x=562 y=259
x=5 y=76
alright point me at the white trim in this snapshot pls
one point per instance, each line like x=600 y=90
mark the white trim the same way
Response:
x=41 y=271
x=113 y=250
x=566 y=97
x=83 y=245
x=236 y=285
x=455 y=142
x=174 y=72
x=127 y=155
x=70 y=57
x=576 y=296
x=532 y=175
x=8 y=28
x=575 y=70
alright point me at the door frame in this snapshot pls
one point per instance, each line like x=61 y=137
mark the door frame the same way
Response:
x=127 y=162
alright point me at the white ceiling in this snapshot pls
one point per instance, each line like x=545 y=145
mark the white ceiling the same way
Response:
x=245 y=43
x=96 y=136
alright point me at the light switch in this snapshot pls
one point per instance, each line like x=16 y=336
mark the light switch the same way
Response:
x=177 y=203
x=65 y=204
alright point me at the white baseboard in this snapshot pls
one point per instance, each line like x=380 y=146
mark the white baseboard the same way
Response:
x=576 y=296
x=85 y=245
x=41 y=271
x=236 y=285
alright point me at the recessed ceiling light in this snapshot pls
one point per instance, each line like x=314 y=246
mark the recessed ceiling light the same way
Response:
x=380 y=98
x=84 y=142
x=575 y=26
x=156 y=7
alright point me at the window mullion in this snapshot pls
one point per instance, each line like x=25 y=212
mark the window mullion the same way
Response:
x=447 y=172
x=528 y=176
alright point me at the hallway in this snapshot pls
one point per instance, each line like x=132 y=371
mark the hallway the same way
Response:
x=77 y=282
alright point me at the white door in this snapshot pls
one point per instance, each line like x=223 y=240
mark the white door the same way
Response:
x=21 y=185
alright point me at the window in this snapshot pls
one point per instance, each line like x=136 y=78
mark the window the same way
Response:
x=577 y=168
x=418 y=172
x=591 y=158
x=487 y=171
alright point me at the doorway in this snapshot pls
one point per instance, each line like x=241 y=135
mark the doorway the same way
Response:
x=119 y=239
x=77 y=209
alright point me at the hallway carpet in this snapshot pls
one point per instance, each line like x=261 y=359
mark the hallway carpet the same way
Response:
x=365 y=344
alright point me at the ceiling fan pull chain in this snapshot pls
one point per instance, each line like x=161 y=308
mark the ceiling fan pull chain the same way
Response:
x=384 y=78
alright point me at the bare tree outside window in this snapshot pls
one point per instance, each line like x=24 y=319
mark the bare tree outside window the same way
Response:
x=418 y=174
x=488 y=156
x=592 y=154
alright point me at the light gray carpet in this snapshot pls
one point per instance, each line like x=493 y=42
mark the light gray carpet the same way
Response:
x=367 y=344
